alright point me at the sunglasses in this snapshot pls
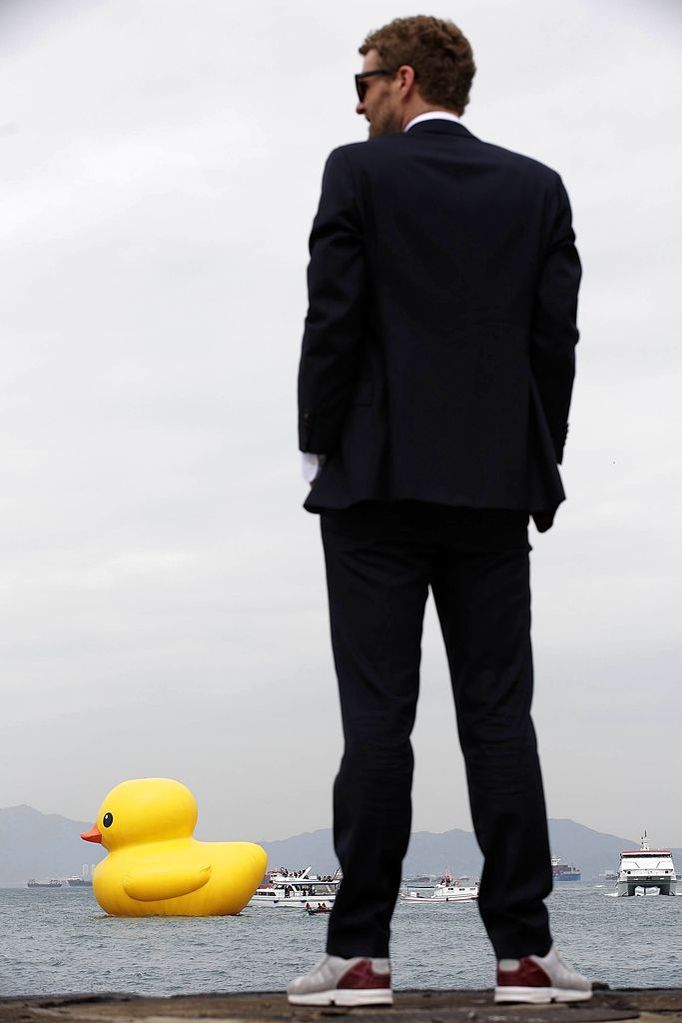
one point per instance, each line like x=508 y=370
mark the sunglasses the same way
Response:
x=361 y=84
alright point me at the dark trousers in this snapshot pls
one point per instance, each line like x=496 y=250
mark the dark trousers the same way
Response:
x=381 y=560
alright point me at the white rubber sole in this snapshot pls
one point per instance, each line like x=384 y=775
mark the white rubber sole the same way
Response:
x=345 y=996
x=540 y=995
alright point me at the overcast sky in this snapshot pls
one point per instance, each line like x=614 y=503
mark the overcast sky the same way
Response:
x=162 y=600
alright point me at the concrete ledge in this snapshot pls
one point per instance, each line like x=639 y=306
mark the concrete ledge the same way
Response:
x=649 y=1006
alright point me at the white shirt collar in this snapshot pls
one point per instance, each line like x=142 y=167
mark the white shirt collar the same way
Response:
x=432 y=115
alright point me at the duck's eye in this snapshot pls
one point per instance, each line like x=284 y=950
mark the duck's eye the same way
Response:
x=108 y=820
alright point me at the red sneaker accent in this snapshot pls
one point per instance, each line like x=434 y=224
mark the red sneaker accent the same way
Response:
x=528 y=974
x=362 y=976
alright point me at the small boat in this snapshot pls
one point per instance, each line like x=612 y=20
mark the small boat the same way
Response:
x=314 y=911
x=54 y=883
x=296 y=889
x=448 y=889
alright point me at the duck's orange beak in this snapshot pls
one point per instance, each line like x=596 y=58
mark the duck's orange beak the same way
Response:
x=93 y=835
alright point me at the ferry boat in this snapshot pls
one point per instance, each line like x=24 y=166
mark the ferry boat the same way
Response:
x=296 y=890
x=78 y=882
x=54 y=883
x=564 y=872
x=447 y=890
x=646 y=871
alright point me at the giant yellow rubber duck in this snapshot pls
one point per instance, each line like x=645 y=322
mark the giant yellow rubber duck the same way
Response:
x=156 y=868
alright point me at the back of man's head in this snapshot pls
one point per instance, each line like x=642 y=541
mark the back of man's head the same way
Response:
x=437 y=49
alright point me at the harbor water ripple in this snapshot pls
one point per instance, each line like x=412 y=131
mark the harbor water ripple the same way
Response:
x=59 y=941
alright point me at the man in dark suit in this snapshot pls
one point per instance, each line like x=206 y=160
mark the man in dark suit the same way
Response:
x=434 y=387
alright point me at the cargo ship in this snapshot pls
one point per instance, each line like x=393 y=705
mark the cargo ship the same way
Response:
x=563 y=872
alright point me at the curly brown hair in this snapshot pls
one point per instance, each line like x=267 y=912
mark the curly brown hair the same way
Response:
x=439 y=52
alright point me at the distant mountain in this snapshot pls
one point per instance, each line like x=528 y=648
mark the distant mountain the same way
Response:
x=34 y=844
x=431 y=853
x=428 y=852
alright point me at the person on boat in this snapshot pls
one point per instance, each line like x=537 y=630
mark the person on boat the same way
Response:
x=434 y=387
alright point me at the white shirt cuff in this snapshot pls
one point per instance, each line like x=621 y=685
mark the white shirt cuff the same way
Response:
x=311 y=465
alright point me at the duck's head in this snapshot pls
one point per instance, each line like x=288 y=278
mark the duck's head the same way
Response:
x=144 y=810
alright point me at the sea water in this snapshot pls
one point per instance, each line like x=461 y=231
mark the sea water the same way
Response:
x=58 y=941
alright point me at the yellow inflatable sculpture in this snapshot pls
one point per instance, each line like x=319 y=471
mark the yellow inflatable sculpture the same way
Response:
x=156 y=868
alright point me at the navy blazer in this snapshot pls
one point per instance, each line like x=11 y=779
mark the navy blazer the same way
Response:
x=438 y=356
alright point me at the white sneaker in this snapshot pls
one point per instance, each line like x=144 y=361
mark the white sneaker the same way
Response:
x=540 y=979
x=337 y=981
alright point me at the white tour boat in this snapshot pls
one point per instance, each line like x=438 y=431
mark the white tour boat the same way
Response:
x=296 y=890
x=646 y=871
x=447 y=890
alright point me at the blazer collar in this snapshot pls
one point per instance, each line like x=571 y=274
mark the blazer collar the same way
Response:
x=438 y=126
